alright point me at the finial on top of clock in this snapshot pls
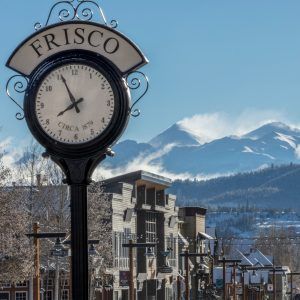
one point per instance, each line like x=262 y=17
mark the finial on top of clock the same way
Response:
x=76 y=10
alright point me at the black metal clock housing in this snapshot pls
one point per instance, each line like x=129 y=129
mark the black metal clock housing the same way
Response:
x=76 y=104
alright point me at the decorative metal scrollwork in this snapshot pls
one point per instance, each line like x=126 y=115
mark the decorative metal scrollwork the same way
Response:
x=81 y=10
x=17 y=84
x=136 y=81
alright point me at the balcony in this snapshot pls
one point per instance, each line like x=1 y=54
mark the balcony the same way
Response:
x=121 y=263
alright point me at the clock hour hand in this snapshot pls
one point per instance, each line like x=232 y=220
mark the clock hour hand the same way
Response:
x=72 y=98
x=70 y=107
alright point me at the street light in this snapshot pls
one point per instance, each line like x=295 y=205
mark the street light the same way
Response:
x=186 y=256
x=132 y=245
x=224 y=261
x=37 y=235
x=59 y=250
x=93 y=251
x=150 y=255
x=292 y=274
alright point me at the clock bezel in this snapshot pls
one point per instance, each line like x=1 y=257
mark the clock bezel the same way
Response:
x=117 y=124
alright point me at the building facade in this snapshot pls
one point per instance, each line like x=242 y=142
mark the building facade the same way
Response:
x=144 y=213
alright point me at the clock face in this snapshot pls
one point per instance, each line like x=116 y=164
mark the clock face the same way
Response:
x=75 y=103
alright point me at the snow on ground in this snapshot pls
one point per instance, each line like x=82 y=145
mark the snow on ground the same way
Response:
x=287 y=139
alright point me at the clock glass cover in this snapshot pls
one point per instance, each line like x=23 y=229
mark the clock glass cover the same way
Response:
x=75 y=103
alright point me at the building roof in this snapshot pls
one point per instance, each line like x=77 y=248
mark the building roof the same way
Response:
x=204 y=236
x=255 y=258
x=191 y=211
x=143 y=176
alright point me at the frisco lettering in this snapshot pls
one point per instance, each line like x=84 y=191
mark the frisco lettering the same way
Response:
x=76 y=36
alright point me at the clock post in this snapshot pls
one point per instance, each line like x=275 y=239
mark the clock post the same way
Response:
x=78 y=174
x=78 y=78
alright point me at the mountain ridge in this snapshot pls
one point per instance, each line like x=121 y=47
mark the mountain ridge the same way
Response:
x=274 y=187
x=178 y=151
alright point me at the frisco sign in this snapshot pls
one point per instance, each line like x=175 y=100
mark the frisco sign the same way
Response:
x=76 y=35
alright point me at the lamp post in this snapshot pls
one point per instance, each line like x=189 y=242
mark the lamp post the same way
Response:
x=132 y=245
x=234 y=266
x=37 y=235
x=92 y=254
x=292 y=274
x=273 y=268
x=186 y=256
x=58 y=251
x=224 y=261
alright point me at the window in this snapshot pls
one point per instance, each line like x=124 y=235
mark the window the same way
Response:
x=48 y=295
x=64 y=295
x=21 y=295
x=49 y=282
x=21 y=284
x=64 y=282
x=4 y=296
x=5 y=285
x=150 y=227
x=171 y=246
x=116 y=295
x=121 y=254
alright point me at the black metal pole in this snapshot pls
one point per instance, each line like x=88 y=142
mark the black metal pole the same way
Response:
x=79 y=241
x=187 y=271
x=224 y=278
x=131 y=282
x=291 y=286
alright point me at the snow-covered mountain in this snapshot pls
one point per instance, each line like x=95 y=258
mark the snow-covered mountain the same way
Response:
x=175 y=135
x=178 y=151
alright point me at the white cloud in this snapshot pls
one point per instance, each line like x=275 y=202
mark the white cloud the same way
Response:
x=217 y=125
x=297 y=151
x=146 y=163
x=11 y=152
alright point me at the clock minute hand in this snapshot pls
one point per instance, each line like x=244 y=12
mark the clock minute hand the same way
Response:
x=70 y=107
x=72 y=98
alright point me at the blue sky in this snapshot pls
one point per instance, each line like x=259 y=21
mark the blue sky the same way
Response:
x=227 y=62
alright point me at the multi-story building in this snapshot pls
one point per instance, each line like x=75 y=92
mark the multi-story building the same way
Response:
x=17 y=291
x=194 y=231
x=143 y=212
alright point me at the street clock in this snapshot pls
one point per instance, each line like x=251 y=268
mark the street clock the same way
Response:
x=77 y=77
x=77 y=103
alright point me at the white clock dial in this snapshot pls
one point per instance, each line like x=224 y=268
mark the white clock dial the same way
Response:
x=75 y=103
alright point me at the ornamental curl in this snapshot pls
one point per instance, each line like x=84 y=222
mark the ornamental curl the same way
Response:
x=18 y=84
x=82 y=10
x=67 y=13
x=135 y=81
x=114 y=24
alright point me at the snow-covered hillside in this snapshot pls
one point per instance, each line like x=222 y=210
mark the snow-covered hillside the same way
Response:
x=178 y=151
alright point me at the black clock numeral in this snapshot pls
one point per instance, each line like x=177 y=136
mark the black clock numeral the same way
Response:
x=47 y=122
x=58 y=77
x=49 y=88
x=91 y=76
x=108 y=102
x=74 y=72
x=60 y=132
x=42 y=105
x=102 y=86
x=92 y=132
x=103 y=120
x=76 y=137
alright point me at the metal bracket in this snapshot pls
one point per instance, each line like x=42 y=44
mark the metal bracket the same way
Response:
x=136 y=81
x=17 y=84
